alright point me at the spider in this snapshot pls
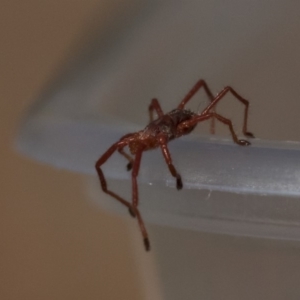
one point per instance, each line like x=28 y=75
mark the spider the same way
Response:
x=158 y=133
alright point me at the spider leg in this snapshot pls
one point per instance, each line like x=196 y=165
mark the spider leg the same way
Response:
x=168 y=159
x=101 y=161
x=203 y=117
x=239 y=98
x=122 y=152
x=155 y=106
x=131 y=206
x=135 y=197
x=128 y=157
x=192 y=92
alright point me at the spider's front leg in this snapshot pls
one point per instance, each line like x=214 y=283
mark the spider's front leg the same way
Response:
x=200 y=118
x=121 y=144
x=220 y=96
x=135 y=197
x=201 y=83
x=133 y=209
x=168 y=159
x=155 y=106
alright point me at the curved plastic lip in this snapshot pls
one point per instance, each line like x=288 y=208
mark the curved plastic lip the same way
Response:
x=265 y=167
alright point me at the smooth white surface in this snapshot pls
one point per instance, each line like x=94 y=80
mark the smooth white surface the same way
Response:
x=161 y=52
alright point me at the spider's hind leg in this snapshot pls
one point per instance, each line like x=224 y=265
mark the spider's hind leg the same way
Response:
x=211 y=107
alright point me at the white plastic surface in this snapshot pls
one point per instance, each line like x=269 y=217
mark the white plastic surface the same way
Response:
x=161 y=52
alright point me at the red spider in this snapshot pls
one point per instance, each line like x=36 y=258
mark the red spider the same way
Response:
x=158 y=133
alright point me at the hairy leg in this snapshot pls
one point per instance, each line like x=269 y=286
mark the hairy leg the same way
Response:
x=239 y=98
x=128 y=157
x=131 y=206
x=155 y=106
x=168 y=159
x=100 y=162
x=135 y=198
x=200 y=118
x=201 y=83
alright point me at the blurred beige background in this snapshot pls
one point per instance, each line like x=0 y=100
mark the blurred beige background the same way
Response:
x=54 y=243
